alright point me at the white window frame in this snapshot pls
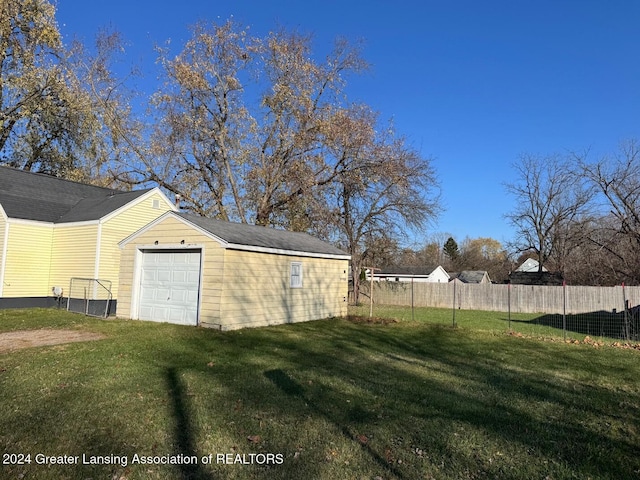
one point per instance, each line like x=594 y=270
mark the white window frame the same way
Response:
x=295 y=275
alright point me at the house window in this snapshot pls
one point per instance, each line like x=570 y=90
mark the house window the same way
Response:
x=156 y=203
x=296 y=275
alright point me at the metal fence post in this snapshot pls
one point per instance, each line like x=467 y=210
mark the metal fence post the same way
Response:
x=626 y=317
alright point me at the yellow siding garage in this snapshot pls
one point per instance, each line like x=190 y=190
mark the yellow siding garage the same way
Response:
x=248 y=276
x=170 y=233
x=257 y=289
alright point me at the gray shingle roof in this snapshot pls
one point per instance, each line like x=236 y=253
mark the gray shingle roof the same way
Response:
x=263 y=237
x=472 y=276
x=35 y=196
x=407 y=270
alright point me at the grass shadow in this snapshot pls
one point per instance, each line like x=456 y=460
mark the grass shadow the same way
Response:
x=615 y=325
x=183 y=433
x=292 y=388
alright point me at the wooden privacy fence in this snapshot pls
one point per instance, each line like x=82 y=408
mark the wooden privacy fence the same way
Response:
x=502 y=298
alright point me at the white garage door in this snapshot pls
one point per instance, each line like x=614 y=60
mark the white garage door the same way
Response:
x=169 y=286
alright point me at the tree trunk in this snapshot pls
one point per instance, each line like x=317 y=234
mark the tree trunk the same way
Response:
x=356 y=269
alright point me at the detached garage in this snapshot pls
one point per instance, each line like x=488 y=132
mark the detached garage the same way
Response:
x=191 y=270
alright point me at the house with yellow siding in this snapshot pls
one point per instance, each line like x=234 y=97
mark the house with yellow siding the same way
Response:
x=186 y=269
x=52 y=230
x=155 y=262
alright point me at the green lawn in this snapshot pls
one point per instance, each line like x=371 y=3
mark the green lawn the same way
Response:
x=598 y=326
x=329 y=399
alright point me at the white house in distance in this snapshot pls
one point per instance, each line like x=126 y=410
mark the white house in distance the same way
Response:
x=411 y=274
x=530 y=265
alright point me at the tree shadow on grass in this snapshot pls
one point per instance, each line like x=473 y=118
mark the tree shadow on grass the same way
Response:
x=426 y=390
x=437 y=402
x=183 y=433
x=615 y=325
x=292 y=388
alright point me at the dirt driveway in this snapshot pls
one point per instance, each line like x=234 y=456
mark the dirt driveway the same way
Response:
x=10 y=341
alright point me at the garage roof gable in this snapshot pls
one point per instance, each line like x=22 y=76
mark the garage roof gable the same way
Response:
x=240 y=236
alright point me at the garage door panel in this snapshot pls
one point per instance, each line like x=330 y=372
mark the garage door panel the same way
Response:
x=145 y=312
x=192 y=296
x=178 y=295
x=149 y=275
x=193 y=276
x=178 y=276
x=169 y=289
x=163 y=275
x=160 y=294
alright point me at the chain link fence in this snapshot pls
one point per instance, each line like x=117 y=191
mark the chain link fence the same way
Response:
x=567 y=311
x=91 y=296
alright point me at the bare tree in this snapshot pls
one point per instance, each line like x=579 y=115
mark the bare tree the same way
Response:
x=617 y=234
x=385 y=189
x=550 y=199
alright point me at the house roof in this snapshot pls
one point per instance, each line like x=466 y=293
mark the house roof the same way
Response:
x=257 y=237
x=410 y=270
x=472 y=276
x=36 y=196
x=530 y=265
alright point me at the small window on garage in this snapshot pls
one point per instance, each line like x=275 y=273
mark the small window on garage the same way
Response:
x=296 y=275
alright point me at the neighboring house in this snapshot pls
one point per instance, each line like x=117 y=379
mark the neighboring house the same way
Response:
x=530 y=265
x=186 y=269
x=472 y=276
x=529 y=274
x=53 y=229
x=411 y=274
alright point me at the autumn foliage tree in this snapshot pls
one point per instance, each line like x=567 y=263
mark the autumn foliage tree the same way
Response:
x=243 y=124
x=385 y=188
x=243 y=128
x=61 y=107
x=37 y=120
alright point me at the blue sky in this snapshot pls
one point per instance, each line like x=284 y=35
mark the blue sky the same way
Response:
x=471 y=84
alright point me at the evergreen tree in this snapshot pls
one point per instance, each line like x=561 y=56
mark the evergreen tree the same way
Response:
x=451 y=250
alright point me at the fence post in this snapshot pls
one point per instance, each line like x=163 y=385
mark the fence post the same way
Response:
x=509 y=302
x=412 y=306
x=454 y=303
x=564 y=310
x=626 y=317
